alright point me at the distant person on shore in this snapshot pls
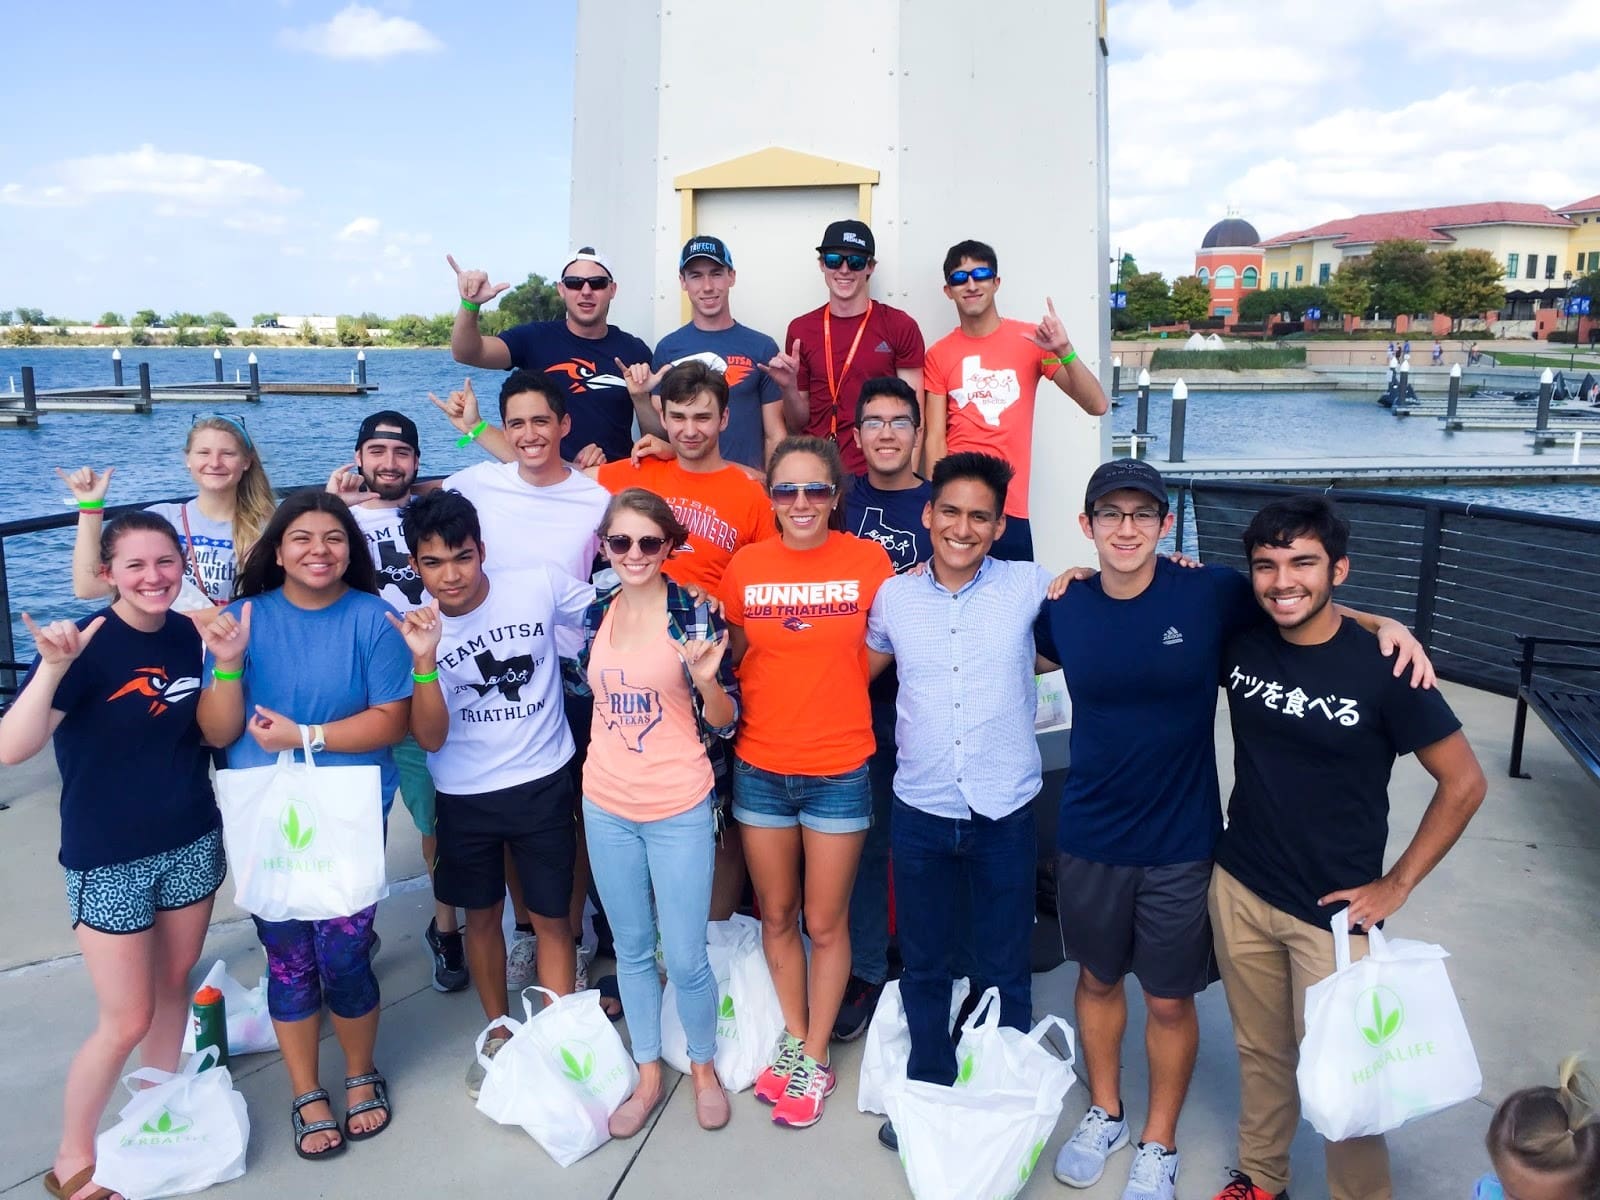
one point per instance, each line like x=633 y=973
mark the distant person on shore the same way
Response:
x=378 y=486
x=141 y=838
x=982 y=379
x=1473 y=354
x=1438 y=352
x=581 y=351
x=1405 y=351
x=1394 y=353
x=217 y=526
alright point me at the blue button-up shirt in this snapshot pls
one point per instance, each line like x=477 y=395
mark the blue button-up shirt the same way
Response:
x=964 y=716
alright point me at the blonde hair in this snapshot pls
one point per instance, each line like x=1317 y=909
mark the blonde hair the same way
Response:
x=254 y=500
x=1552 y=1130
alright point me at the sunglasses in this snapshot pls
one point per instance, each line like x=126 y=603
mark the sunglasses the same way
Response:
x=236 y=422
x=788 y=493
x=856 y=262
x=595 y=283
x=620 y=543
x=977 y=275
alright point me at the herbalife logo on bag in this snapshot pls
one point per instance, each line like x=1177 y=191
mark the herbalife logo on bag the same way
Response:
x=297 y=826
x=1378 y=1015
x=1024 y=1170
x=166 y=1123
x=166 y=1128
x=727 y=1021
x=578 y=1064
x=969 y=1064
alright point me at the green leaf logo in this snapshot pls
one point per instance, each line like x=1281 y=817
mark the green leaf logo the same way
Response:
x=297 y=826
x=1379 y=1015
x=968 y=1065
x=725 y=1009
x=166 y=1123
x=577 y=1067
x=1026 y=1169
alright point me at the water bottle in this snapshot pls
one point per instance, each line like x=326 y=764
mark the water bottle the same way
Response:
x=211 y=1024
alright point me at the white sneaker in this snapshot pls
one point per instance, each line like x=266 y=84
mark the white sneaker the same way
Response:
x=585 y=957
x=475 y=1071
x=521 y=966
x=1154 y=1174
x=1082 y=1160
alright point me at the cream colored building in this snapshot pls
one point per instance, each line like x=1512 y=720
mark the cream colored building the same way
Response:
x=1584 y=247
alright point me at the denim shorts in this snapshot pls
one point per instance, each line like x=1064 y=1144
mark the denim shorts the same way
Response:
x=125 y=897
x=824 y=803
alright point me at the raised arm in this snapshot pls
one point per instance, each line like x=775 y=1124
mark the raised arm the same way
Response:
x=88 y=488
x=642 y=383
x=462 y=410
x=784 y=370
x=221 y=707
x=430 y=719
x=26 y=728
x=467 y=342
x=1071 y=375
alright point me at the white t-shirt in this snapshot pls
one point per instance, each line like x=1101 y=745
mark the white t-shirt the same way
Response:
x=208 y=543
x=398 y=581
x=526 y=526
x=502 y=682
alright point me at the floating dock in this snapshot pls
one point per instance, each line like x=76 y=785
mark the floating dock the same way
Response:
x=1325 y=471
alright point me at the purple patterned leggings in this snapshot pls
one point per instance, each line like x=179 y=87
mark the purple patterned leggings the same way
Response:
x=309 y=961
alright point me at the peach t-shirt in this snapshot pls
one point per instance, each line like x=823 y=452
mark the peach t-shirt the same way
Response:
x=646 y=761
x=803 y=680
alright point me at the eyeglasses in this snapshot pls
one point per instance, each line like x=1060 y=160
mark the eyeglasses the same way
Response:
x=236 y=422
x=621 y=543
x=788 y=493
x=873 y=424
x=856 y=262
x=1112 y=518
x=977 y=275
x=595 y=283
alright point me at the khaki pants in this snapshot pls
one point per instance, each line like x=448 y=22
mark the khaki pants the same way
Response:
x=1268 y=960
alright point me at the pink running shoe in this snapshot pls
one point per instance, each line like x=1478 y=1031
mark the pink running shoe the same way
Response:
x=774 y=1080
x=800 y=1105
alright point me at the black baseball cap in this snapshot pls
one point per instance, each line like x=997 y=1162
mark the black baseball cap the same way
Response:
x=713 y=248
x=848 y=237
x=389 y=424
x=1130 y=473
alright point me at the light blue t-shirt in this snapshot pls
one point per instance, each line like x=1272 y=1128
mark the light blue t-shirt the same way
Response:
x=317 y=666
x=738 y=352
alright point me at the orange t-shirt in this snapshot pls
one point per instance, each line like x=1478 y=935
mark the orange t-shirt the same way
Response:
x=803 y=680
x=989 y=385
x=722 y=510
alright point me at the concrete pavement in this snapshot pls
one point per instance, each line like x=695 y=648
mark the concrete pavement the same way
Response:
x=1515 y=904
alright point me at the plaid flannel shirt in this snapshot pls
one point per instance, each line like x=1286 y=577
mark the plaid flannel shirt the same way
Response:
x=686 y=622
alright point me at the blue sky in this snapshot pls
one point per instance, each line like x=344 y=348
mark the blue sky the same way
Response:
x=322 y=156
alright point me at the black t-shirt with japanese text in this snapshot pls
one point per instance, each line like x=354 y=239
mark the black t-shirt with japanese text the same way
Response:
x=1316 y=730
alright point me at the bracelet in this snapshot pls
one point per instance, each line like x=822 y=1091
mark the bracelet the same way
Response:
x=431 y=677
x=467 y=438
x=470 y=306
x=227 y=675
x=91 y=505
x=1071 y=356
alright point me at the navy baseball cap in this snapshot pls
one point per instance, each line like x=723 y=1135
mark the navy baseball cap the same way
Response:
x=713 y=248
x=1120 y=473
x=389 y=424
x=848 y=237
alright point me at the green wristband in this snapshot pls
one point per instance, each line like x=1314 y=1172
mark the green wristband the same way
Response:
x=467 y=438
x=470 y=306
x=431 y=677
x=1067 y=359
x=91 y=505
x=227 y=675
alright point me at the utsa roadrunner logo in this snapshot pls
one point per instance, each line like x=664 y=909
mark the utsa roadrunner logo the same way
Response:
x=162 y=692
x=734 y=369
x=795 y=624
x=582 y=375
x=507 y=674
x=394 y=567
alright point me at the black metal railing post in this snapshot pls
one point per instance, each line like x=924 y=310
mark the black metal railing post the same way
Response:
x=1428 y=572
x=8 y=649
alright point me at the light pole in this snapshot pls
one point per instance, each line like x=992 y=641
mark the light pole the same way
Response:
x=1566 y=304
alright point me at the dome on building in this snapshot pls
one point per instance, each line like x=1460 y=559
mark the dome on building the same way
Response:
x=1231 y=231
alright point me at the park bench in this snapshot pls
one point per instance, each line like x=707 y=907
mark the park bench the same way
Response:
x=1571 y=712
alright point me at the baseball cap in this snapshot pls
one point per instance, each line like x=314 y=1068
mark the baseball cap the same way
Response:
x=389 y=424
x=851 y=237
x=1120 y=473
x=713 y=248
x=589 y=254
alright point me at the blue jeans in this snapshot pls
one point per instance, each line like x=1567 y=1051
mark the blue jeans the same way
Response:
x=869 y=898
x=673 y=859
x=991 y=864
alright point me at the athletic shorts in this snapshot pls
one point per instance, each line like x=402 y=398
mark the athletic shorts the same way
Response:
x=125 y=897
x=416 y=785
x=1151 y=922
x=533 y=821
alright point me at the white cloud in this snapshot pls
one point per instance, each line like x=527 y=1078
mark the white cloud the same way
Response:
x=182 y=182
x=361 y=227
x=361 y=32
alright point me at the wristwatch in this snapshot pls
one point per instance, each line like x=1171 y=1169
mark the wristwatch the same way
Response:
x=319 y=742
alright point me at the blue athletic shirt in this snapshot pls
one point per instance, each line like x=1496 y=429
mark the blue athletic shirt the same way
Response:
x=738 y=352
x=1142 y=673
x=597 y=396
x=894 y=521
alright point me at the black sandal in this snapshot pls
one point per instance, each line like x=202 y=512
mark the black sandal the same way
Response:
x=609 y=990
x=302 y=1127
x=380 y=1099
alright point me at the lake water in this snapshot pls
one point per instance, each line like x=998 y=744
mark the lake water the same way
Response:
x=302 y=438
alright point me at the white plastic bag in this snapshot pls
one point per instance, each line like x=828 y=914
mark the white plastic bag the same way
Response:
x=305 y=843
x=1385 y=1041
x=749 y=1018
x=560 y=1077
x=184 y=1134
x=250 y=1028
x=888 y=1045
x=993 y=1056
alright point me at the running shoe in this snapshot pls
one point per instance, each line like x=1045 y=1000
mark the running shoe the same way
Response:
x=855 y=1014
x=585 y=957
x=810 y=1084
x=521 y=965
x=448 y=958
x=774 y=1080
x=1082 y=1160
x=1244 y=1188
x=475 y=1071
x=1154 y=1173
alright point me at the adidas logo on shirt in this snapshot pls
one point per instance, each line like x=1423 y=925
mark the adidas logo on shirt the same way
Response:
x=885 y=348
x=1172 y=637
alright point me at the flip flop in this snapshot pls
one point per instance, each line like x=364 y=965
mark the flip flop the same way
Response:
x=607 y=987
x=64 y=1191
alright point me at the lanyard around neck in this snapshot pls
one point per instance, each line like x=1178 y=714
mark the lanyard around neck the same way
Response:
x=827 y=354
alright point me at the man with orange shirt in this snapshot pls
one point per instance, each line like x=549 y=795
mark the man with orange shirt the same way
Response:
x=982 y=376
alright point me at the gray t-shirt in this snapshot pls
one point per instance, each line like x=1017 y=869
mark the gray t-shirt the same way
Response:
x=207 y=544
x=738 y=352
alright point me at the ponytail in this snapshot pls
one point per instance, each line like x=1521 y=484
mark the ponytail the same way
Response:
x=1552 y=1131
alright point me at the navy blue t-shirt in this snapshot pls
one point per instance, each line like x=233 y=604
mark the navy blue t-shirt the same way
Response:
x=894 y=521
x=1142 y=674
x=134 y=775
x=597 y=396
x=739 y=352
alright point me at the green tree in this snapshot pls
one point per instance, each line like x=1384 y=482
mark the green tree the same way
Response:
x=1293 y=302
x=249 y=337
x=215 y=317
x=219 y=336
x=308 y=334
x=5 y=316
x=1149 y=301
x=30 y=316
x=1350 y=289
x=350 y=331
x=182 y=319
x=373 y=321
x=23 y=335
x=1191 y=299
x=141 y=336
x=1404 y=277
x=1469 y=284
x=534 y=299
x=1584 y=285
x=110 y=318
x=263 y=318
x=1127 y=268
x=145 y=316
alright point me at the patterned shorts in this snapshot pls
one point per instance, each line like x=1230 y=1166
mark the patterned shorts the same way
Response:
x=125 y=897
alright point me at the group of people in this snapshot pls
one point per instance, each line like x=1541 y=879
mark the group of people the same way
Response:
x=789 y=636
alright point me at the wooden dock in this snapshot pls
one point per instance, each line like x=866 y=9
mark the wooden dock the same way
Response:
x=1436 y=471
